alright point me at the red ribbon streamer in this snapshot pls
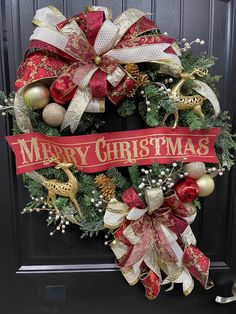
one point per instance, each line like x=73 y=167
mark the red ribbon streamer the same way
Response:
x=99 y=152
x=198 y=265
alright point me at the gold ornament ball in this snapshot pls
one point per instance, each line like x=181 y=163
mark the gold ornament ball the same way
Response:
x=206 y=185
x=36 y=96
x=97 y=60
x=195 y=169
x=53 y=114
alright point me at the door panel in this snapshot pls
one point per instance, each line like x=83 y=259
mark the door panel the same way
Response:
x=65 y=274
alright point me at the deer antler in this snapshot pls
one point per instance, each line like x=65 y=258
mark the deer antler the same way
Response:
x=200 y=72
x=52 y=159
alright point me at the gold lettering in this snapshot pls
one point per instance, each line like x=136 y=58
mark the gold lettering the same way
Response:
x=29 y=153
x=203 y=144
x=135 y=149
x=58 y=152
x=189 y=147
x=100 y=144
x=174 y=149
x=82 y=154
x=70 y=155
x=47 y=150
x=157 y=142
x=125 y=148
x=144 y=148
x=113 y=151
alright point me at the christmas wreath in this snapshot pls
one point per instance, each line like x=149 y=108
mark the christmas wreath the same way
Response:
x=75 y=66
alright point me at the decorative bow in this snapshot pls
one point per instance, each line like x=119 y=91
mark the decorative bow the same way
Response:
x=154 y=238
x=95 y=48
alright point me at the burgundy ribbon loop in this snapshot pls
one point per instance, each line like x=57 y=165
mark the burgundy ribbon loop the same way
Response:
x=176 y=205
x=95 y=20
x=98 y=84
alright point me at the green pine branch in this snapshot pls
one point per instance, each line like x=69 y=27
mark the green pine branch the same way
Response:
x=127 y=107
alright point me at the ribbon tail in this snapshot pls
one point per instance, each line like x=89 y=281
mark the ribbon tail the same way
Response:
x=22 y=119
x=76 y=109
x=205 y=90
x=132 y=274
x=144 y=53
x=166 y=242
x=188 y=236
x=198 y=265
x=151 y=283
x=183 y=277
x=151 y=260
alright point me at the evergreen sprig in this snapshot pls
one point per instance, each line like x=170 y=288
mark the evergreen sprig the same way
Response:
x=152 y=103
x=117 y=178
x=158 y=102
x=127 y=107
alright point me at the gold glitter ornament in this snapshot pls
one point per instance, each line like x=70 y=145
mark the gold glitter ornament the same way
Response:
x=106 y=186
x=53 y=114
x=36 y=95
x=195 y=169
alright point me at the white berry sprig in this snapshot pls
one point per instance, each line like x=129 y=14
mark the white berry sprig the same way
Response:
x=188 y=45
x=165 y=180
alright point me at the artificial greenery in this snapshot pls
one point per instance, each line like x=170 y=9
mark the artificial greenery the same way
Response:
x=160 y=103
x=152 y=102
x=127 y=107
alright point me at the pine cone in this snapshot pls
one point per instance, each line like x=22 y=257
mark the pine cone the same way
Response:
x=140 y=77
x=106 y=186
x=132 y=69
x=142 y=80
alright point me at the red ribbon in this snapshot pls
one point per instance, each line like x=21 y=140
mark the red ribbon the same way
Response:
x=173 y=201
x=198 y=265
x=149 y=232
x=98 y=84
x=151 y=283
x=95 y=20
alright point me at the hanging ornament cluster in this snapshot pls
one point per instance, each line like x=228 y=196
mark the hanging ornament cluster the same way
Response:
x=37 y=96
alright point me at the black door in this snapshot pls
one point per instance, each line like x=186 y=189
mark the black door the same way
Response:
x=64 y=274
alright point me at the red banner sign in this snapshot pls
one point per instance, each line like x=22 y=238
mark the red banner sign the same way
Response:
x=99 y=152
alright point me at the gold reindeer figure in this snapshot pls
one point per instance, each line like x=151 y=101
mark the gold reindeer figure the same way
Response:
x=66 y=189
x=182 y=102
